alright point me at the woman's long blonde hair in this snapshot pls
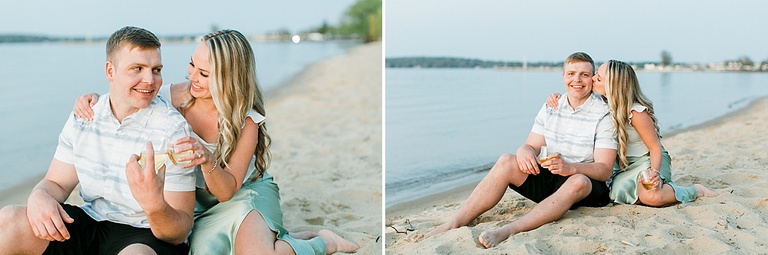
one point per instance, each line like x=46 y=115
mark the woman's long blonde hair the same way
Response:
x=235 y=91
x=622 y=91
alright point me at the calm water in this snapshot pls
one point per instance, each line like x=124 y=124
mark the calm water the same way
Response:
x=445 y=127
x=41 y=81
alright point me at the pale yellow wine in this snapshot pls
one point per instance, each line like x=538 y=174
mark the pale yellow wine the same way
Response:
x=160 y=158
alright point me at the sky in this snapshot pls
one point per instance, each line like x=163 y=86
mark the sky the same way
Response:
x=166 y=17
x=505 y=30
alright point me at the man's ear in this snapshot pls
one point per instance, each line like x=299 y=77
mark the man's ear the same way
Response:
x=109 y=70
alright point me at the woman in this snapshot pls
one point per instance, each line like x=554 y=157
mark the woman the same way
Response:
x=237 y=206
x=640 y=152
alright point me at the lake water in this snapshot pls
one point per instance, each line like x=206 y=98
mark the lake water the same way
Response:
x=446 y=127
x=40 y=82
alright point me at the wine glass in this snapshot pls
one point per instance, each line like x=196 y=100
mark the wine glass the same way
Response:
x=160 y=146
x=174 y=150
x=646 y=181
x=545 y=153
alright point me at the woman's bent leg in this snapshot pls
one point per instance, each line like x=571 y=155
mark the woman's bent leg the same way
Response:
x=254 y=235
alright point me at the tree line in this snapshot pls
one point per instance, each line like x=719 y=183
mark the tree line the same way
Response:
x=362 y=20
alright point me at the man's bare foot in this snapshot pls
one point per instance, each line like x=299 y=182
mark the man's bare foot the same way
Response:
x=438 y=230
x=335 y=243
x=490 y=239
x=415 y=238
x=303 y=235
x=702 y=191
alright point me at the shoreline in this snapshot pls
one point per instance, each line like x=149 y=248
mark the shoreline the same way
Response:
x=17 y=194
x=325 y=123
x=726 y=154
x=461 y=192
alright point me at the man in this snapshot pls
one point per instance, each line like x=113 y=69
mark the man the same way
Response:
x=128 y=208
x=580 y=132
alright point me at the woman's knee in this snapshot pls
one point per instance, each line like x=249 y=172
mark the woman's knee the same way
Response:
x=651 y=198
x=254 y=224
x=255 y=234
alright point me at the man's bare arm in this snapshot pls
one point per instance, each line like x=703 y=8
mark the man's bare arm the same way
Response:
x=45 y=214
x=599 y=170
x=172 y=223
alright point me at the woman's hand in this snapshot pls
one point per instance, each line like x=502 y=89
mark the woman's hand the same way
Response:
x=552 y=100
x=190 y=150
x=84 y=104
x=656 y=179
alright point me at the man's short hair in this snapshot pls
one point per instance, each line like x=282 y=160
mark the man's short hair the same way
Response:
x=134 y=36
x=580 y=57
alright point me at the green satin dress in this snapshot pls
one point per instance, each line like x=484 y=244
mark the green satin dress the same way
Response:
x=216 y=224
x=624 y=183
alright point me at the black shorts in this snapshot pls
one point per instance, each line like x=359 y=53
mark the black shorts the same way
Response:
x=538 y=187
x=88 y=236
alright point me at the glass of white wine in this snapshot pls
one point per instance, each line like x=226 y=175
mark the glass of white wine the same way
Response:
x=160 y=146
x=174 y=151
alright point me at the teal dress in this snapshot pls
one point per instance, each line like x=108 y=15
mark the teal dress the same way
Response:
x=623 y=183
x=216 y=224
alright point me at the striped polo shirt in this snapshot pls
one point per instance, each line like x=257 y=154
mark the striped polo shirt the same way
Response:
x=575 y=133
x=100 y=149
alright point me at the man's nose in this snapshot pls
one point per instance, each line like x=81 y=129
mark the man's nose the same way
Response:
x=148 y=76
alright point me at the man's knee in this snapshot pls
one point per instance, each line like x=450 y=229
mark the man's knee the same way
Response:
x=11 y=213
x=506 y=162
x=11 y=217
x=138 y=248
x=506 y=159
x=578 y=184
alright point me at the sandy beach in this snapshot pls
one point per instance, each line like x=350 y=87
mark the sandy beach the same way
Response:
x=326 y=131
x=727 y=154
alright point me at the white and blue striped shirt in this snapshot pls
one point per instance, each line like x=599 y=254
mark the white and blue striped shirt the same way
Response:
x=576 y=133
x=100 y=149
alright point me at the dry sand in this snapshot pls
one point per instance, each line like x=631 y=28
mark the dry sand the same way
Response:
x=326 y=131
x=728 y=155
x=326 y=151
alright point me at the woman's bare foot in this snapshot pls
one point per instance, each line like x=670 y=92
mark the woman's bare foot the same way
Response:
x=702 y=191
x=490 y=239
x=303 y=235
x=335 y=243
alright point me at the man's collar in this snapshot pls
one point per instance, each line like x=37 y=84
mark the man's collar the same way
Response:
x=103 y=110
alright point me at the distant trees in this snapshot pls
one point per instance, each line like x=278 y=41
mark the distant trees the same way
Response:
x=666 y=58
x=745 y=61
x=363 y=19
x=449 y=62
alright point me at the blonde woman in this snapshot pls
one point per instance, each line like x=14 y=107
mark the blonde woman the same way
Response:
x=237 y=207
x=641 y=157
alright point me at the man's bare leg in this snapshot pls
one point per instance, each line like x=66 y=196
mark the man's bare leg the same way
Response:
x=487 y=193
x=16 y=236
x=552 y=208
